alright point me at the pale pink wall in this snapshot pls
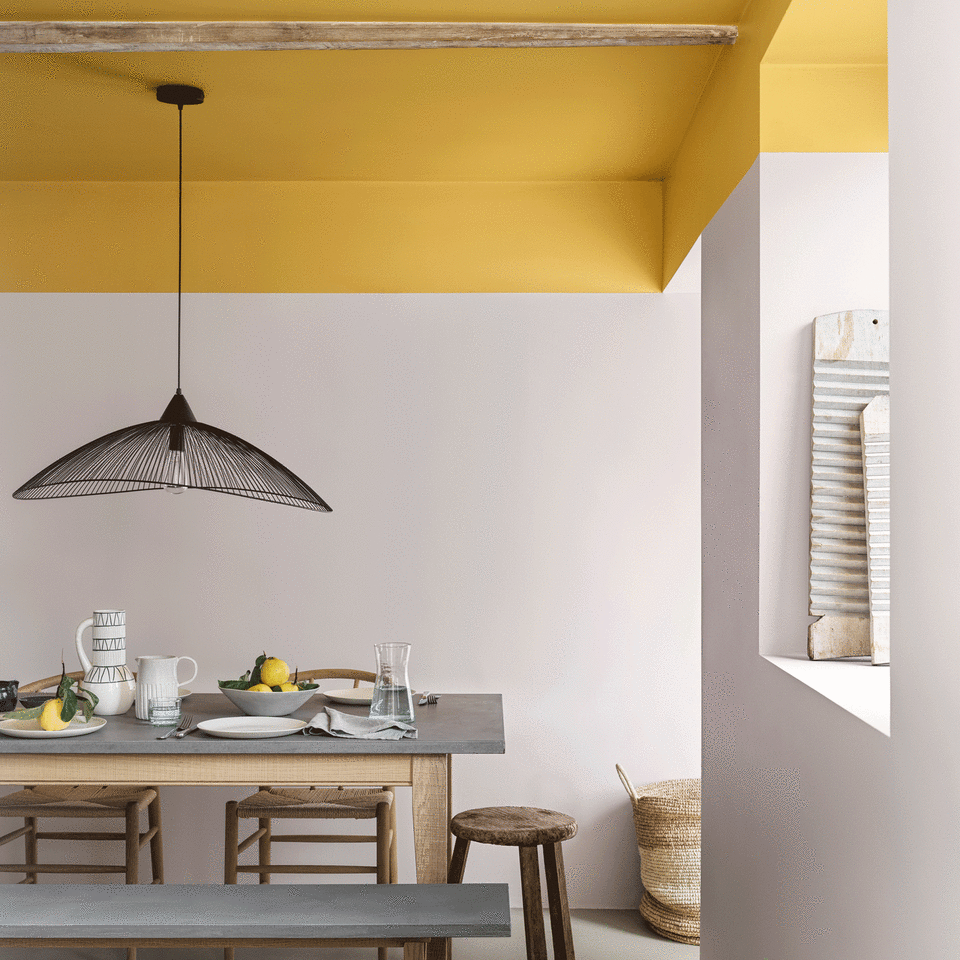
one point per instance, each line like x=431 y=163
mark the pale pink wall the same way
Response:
x=925 y=535
x=796 y=791
x=515 y=487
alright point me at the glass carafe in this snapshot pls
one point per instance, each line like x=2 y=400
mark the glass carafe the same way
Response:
x=391 y=698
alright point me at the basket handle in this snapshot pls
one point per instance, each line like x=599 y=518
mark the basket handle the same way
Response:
x=625 y=780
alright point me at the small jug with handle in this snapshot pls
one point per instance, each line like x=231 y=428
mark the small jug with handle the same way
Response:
x=105 y=673
x=156 y=678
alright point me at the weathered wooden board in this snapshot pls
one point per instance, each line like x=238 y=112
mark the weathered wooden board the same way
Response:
x=832 y=638
x=875 y=440
x=850 y=368
x=91 y=36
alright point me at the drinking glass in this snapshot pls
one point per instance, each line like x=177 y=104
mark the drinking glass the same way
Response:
x=164 y=711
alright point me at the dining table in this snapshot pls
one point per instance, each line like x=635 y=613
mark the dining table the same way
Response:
x=126 y=750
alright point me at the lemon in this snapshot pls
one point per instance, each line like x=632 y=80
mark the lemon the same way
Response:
x=50 y=716
x=259 y=688
x=273 y=672
x=288 y=687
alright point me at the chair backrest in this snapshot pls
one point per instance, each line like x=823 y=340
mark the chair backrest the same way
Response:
x=48 y=682
x=339 y=673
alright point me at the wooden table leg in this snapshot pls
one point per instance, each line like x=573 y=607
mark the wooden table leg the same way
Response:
x=431 y=827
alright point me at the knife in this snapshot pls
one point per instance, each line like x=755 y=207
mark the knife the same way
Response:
x=180 y=734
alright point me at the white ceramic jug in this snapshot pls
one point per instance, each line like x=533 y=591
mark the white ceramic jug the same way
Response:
x=106 y=675
x=157 y=677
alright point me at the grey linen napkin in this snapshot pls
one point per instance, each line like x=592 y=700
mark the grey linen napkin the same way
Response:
x=337 y=724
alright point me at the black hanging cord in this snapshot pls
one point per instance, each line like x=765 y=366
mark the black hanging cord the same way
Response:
x=179 y=241
x=181 y=95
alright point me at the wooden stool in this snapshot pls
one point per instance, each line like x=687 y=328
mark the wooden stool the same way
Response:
x=526 y=828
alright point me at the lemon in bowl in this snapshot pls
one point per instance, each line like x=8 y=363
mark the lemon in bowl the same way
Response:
x=274 y=672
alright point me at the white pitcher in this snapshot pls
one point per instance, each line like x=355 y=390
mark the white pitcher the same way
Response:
x=107 y=675
x=157 y=677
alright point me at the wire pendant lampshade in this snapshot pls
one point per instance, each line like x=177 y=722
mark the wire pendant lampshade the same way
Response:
x=177 y=451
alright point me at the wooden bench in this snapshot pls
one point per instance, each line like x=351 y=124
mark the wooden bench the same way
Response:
x=282 y=915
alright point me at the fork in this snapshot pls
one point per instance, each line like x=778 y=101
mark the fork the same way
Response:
x=185 y=722
x=428 y=698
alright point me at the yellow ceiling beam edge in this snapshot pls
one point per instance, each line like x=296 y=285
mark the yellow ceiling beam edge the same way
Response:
x=23 y=36
x=314 y=236
x=723 y=139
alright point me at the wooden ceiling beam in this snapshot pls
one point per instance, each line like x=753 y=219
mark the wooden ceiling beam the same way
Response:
x=22 y=36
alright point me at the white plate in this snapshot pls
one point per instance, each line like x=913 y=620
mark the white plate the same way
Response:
x=31 y=728
x=354 y=695
x=183 y=693
x=251 y=728
x=350 y=695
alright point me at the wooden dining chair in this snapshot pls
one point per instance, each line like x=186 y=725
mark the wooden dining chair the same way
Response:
x=313 y=803
x=84 y=802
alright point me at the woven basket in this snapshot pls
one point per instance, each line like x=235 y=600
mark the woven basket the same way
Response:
x=667 y=820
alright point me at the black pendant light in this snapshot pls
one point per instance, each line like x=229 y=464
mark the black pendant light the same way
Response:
x=176 y=451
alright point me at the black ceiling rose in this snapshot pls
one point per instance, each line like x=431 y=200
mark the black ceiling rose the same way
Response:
x=179 y=94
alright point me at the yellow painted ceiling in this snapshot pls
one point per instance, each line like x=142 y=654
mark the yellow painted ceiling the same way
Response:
x=436 y=115
x=588 y=123
x=583 y=114
x=831 y=32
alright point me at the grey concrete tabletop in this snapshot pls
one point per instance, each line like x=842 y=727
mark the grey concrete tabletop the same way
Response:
x=458 y=723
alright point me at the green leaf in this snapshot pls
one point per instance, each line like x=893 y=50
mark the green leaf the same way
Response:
x=255 y=673
x=88 y=701
x=240 y=684
x=69 y=708
x=25 y=713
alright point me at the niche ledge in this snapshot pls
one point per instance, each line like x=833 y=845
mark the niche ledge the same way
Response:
x=856 y=685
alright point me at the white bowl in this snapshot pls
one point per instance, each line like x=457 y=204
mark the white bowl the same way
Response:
x=259 y=703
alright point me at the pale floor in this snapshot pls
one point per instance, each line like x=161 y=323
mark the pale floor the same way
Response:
x=597 y=935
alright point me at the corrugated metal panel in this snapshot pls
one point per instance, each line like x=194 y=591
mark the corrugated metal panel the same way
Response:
x=851 y=367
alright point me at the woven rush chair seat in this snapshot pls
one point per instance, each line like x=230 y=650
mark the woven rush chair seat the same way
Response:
x=332 y=803
x=86 y=802
x=271 y=803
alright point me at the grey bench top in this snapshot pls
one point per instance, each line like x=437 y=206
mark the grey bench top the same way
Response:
x=459 y=723
x=288 y=911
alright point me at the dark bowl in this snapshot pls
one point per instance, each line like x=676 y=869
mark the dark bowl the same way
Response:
x=34 y=700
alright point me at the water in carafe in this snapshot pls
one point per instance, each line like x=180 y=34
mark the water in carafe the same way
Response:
x=391 y=698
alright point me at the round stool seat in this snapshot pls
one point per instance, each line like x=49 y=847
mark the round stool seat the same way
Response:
x=513 y=826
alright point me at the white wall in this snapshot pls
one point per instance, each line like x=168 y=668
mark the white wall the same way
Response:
x=796 y=791
x=515 y=486
x=824 y=247
x=925 y=530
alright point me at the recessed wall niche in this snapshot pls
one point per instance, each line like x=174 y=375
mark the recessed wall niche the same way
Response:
x=824 y=251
